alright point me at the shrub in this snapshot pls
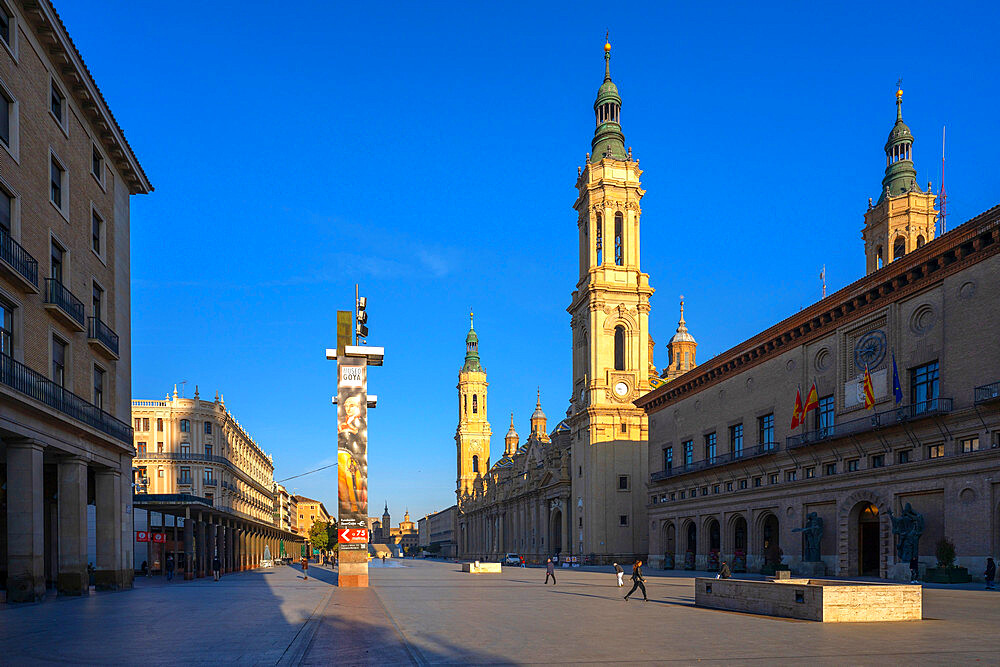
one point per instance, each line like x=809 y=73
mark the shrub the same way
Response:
x=945 y=552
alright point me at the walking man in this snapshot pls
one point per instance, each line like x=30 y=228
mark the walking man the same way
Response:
x=550 y=571
x=991 y=573
x=216 y=567
x=619 y=572
x=305 y=568
x=170 y=567
x=637 y=581
x=914 y=568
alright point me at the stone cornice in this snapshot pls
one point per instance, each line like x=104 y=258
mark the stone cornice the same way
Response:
x=967 y=244
x=52 y=34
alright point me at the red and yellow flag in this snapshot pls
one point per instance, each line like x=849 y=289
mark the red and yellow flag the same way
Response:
x=797 y=412
x=812 y=401
x=869 y=390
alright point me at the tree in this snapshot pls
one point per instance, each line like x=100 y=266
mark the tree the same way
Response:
x=318 y=535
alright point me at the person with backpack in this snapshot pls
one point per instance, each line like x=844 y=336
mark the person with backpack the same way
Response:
x=637 y=581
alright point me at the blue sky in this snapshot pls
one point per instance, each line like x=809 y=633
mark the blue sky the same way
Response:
x=429 y=153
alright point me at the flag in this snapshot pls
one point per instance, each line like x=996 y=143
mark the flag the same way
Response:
x=869 y=390
x=797 y=412
x=897 y=390
x=812 y=401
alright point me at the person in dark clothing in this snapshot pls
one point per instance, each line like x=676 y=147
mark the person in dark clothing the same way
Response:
x=216 y=567
x=914 y=569
x=724 y=572
x=550 y=571
x=170 y=567
x=637 y=581
x=991 y=573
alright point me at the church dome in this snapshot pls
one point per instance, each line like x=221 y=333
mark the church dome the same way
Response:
x=682 y=335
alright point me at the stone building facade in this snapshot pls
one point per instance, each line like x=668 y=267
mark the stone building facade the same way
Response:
x=580 y=489
x=66 y=176
x=198 y=471
x=730 y=477
x=286 y=509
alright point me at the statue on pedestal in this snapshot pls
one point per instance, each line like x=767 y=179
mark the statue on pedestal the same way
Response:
x=907 y=528
x=813 y=534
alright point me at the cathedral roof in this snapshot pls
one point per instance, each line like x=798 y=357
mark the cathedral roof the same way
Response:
x=682 y=334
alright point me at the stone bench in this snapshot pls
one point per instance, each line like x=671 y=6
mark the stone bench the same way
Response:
x=477 y=567
x=813 y=599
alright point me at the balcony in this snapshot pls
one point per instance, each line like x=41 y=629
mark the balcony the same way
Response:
x=102 y=337
x=17 y=262
x=19 y=377
x=61 y=301
x=872 y=422
x=209 y=482
x=987 y=393
x=717 y=460
x=187 y=481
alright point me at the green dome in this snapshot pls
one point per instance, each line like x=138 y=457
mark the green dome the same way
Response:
x=608 y=92
x=900 y=131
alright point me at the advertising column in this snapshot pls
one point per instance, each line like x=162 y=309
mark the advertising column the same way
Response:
x=352 y=469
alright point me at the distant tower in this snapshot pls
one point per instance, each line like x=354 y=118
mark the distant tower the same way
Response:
x=472 y=437
x=904 y=217
x=511 y=439
x=386 y=522
x=681 y=348
x=538 y=420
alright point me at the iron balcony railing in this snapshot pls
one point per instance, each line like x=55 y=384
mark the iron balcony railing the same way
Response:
x=717 y=460
x=210 y=458
x=987 y=392
x=57 y=294
x=18 y=258
x=19 y=377
x=209 y=482
x=99 y=331
x=169 y=498
x=872 y=422
x=184 y=480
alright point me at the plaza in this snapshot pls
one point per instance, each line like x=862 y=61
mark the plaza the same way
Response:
x=424 y=612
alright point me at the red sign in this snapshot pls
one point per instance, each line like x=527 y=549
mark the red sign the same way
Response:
x=159 y=538
x=141 y=536
x=352 y=535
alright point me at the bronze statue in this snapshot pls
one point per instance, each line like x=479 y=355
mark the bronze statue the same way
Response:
x=907 y=528
x=813 y=533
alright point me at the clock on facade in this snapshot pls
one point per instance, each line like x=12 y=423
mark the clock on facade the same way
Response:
x=869 y=350
x=621 y=389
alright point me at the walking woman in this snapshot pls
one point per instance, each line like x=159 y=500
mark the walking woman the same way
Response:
x=637 y=581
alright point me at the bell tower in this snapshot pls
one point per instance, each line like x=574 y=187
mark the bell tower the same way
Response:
x=904 y=217
x=609 y=312
x=472 y=437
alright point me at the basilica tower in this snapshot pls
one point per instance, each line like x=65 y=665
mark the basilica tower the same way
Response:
x=472 y=437
x=610 y=322
x=904 y=217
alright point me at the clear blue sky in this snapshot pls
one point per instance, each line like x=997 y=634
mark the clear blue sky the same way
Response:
x=428 y=151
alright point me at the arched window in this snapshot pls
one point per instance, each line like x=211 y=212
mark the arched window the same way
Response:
x=619 y=240
x=599 y=239
x=619 y=348
x=920 y=241
x=898 y=248
x=475 y=404
x=475 y=463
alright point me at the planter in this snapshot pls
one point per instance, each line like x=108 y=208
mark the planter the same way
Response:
x=668 y=562
x=947 y=575
x=689 y=561
x=739 y=564
x=713 y=561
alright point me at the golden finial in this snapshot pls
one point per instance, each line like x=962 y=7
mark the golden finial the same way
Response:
x=607 y=42
x=899 y=88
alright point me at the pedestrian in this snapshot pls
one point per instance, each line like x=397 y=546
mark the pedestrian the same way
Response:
x=991 y=573
x=637 y=581
x=619 y=573
x=305 y=568
x=170 y=567
x=724 y=572
x=522 y=561
x=216 y=567
x=914 y=569
x=550 y=571
x=145 y=569
x=383 y=558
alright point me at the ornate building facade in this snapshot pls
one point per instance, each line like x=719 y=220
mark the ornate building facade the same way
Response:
x=733 y=478
x=578 y=490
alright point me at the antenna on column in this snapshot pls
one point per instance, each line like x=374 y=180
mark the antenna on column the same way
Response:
x=942 y=196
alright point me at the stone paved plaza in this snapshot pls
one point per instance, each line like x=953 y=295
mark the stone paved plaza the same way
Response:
x=430 y=612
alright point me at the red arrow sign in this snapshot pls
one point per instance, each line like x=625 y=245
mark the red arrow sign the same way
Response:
x=351 y=535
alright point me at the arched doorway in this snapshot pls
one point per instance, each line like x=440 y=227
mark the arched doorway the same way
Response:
x=555 y=532
x=868 y=541
x=769 y=540
x=692 y=546
x=714 y=543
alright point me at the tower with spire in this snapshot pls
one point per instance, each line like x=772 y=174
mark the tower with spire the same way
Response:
x=903 y=218
x=511 y=440
x=681 y=349
x=538 y=420
x=472 y=437
x=609 y=311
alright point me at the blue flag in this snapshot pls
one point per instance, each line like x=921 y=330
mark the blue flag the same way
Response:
x=897 y=391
